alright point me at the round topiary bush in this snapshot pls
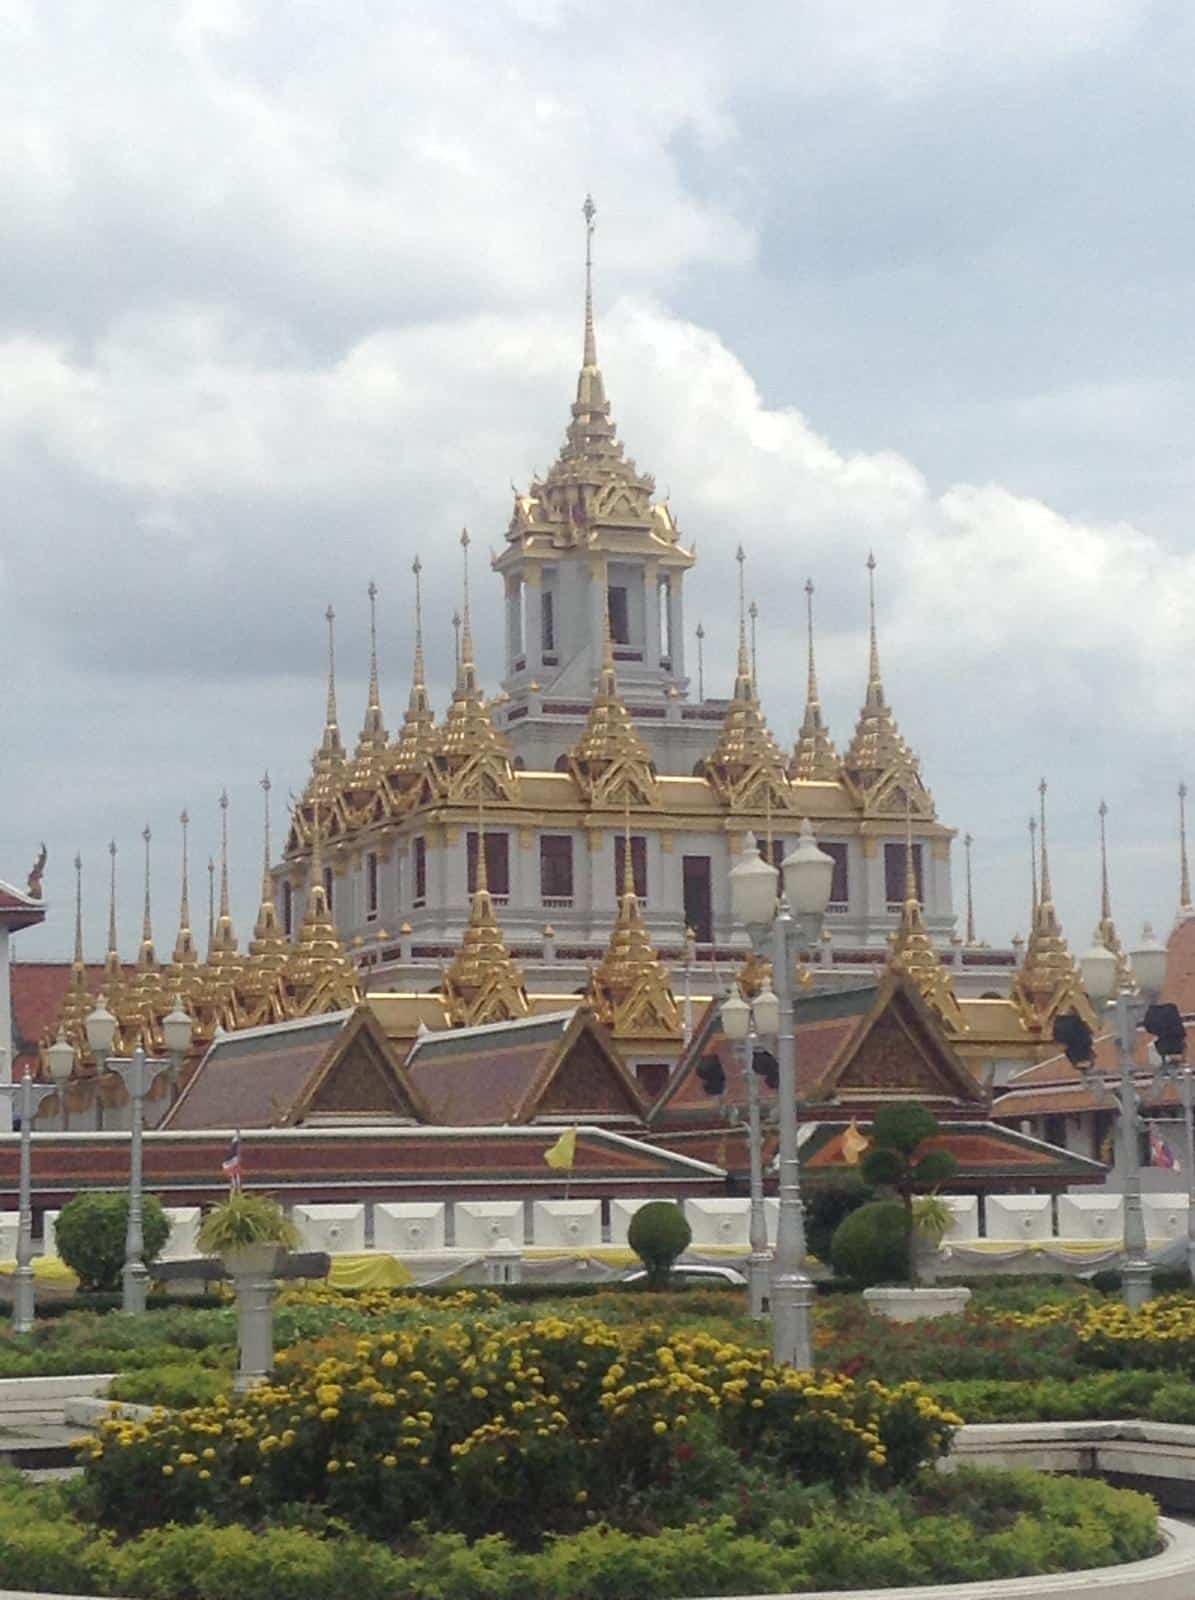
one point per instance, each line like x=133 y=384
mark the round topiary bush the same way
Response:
x=658 y=1234
x=872 y=1244
x=91 y=1232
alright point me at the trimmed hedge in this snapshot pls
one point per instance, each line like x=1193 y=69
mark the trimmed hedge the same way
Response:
x=967 y=1526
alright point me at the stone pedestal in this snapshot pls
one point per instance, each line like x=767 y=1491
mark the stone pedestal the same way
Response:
x=252 y=1269
x=911 y=1305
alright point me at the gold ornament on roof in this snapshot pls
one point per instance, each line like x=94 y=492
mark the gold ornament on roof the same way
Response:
x=78 y=1000
x=1047 y=981
x=630 y=991
x=473 y=760
x=814 y=758
x=319 y=975
x=414 y=752
x=1106 y=928
x=365 y=775
x=878 y=761
x=610 y=763
x=144 y=1002
x=215 y=998
x=483 y=984
x=261 y=995
x=329 y=766
x=912 y=952
x=746 y=768
x=185 y=976
x=36 y=873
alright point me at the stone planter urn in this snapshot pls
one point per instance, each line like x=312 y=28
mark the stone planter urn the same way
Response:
x=253 y=1269
x=900 y=1304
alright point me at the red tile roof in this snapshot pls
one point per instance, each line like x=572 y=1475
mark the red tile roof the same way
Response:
x=18 y=909
x=252 y=1080
x=1179 y=988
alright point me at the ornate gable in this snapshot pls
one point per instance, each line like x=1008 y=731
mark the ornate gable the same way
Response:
x=360 y=1078
x=583 y=1077
x=898 y=1052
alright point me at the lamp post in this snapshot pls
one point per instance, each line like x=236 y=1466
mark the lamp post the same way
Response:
x=789 y=925
x=137 y=1073
x=1101 y=980
x=25 y=1098
x=740 y=1019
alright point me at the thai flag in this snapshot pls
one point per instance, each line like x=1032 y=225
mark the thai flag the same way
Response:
x=231 y=1165
x=1160 y=1153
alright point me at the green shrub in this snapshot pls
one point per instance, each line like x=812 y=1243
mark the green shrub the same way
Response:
x=91 y=1234
x=898 y=1160
x=1173 y=1400
x=172 y=1384
x=1107 y=1395
x=245 y=1219
x=828 y=1204
x=872 y=1244
x=658 y=1234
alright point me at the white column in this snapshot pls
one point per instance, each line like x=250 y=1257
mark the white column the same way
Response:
x=651 y=614
x=676 y=623
x=6 y=1107
x=514 y=622
x=533 y=628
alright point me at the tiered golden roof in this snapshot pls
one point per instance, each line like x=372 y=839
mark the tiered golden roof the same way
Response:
x=365 y=775
x=185 y=974
x=746 y=768
x=610 y=763
x=473 y=759
x=215 y=998
x=878 y=761
x=1105 y=930
x=413 y=756
x=483 y=984
x=630 y=991
x=261 y=995
x=329 y=766
x=814 y=758
x=319 y=975
x=913 y=954
x=79 y=1000
x=1048 y=980
x=144 y=1001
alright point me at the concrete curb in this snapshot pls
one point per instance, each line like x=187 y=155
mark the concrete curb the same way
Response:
x=84 y=1411
x=17 y=1394
x=1170 y=1575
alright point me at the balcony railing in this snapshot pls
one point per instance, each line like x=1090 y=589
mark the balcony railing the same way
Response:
x=557 y=902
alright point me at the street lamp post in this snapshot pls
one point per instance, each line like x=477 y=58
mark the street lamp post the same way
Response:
x=26 y=1097
x=137 y=1073
x=790 y=924
x=739 y=1022
x=1102 y=982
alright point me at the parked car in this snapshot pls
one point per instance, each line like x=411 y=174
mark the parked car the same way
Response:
x=692 y=1275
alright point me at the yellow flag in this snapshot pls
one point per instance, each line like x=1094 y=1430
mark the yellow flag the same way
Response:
x=853 y=1144
x=563 y=1153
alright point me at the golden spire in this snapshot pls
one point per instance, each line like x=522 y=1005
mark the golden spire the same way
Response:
x=215 y=994
x=416 y=746
x=1034 y=899
x=143 y=1003
x=1185 y=908
x=78 y=963
x=1106 y=927
x=366 y=775
x=746 y=768
x=913 y=952
x=225 y=941
x=211 y=905
x=261 y=997
x=331 y=740
x=472 y=756
x=319 y=975
x=1047 y=980
x=753 y=613
x=630 y=991
x=483 y=984
x=610 y=762
x=328 y=763
x=589 y=357
x=877 y=760
x=814 y=758
x=113 y=979
x=145 y=957
x=968 y=841
x=78 y=1001
x=373 y=730
x=185 y=974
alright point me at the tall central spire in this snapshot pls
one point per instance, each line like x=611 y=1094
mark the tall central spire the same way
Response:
x=415 y=747
x=1106 y=927
x=146 y=957
x=878 y=761
x=745 y=767
x=1048 y=980
x=589 y=211
x=913 y=952
x=814 y=758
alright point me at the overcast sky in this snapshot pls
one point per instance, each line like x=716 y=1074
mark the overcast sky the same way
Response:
x=292 y=291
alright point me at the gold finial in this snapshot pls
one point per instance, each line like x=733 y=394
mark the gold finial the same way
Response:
x=1033 y=903
x=456 y=628
x=373 y=716
x=466 y=617
x=873 y=664
x=266 y=786
x=184 y=945
x=1047 y=892
x=78 y=909
x=741 y=557
x=811 y=683
x=417 y=569
x=589 y=211
x=968 y=841
x=224 y=900
x=753 y=613
x=814 y=757
x=330 y=717
x=1184 y=885
x=1105 y=896
x=147 y=938
x=700 y=662
x=112 y=898
x=211 y=904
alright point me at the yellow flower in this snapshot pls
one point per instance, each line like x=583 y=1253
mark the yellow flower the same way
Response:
x=333 y=1466
x=659 y=1427
x=204 y=1473
x=246 y=1480
x=209 y=1454
x=168 y=1472
x=390 y=1359
x=389 y=1461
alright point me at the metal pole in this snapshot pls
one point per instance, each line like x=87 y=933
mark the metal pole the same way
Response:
x=792 y=1289
x=759 y=1261
x=22 y=1294
x=1136 y=1271
x=135 y=1277
x=1185 y=1086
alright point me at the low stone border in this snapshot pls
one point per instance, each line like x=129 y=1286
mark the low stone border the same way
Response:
x=1167 y=1576
x=85 y=1411
x=40 y=1394
x=1157 y=1457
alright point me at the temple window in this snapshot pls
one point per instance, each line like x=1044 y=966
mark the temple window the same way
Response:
x=419 y=850
x=638 y=864
x=497 y=864
x=547 y=620
x=371 y=884
x=556 y=871
x=620 y=626
x=895 y=890
x=840 y=891
x=698 y=897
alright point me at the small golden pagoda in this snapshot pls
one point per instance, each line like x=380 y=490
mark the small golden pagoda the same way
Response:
x=319 y=975
x=260 y=988
x=746 y=768
x=365 y=775
x=814 y=758
x=878 y=761
x=412 y=758
x=215 y=998
x=1048 y=980
x=483 y=984
x=184 y=976
x=630 y=990
x=144 y=1002
x=610 y=763
x=912 y=952
x=328 y=765
x=112 y=981
x=473 y=759
x=79 y=1000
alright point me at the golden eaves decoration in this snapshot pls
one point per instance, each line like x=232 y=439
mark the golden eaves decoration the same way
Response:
x=319 y=975
x=1048 y=981
x=630 y=991
x=814 y=758
x=912 y=953
x=610 y=763
x=483 y=984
